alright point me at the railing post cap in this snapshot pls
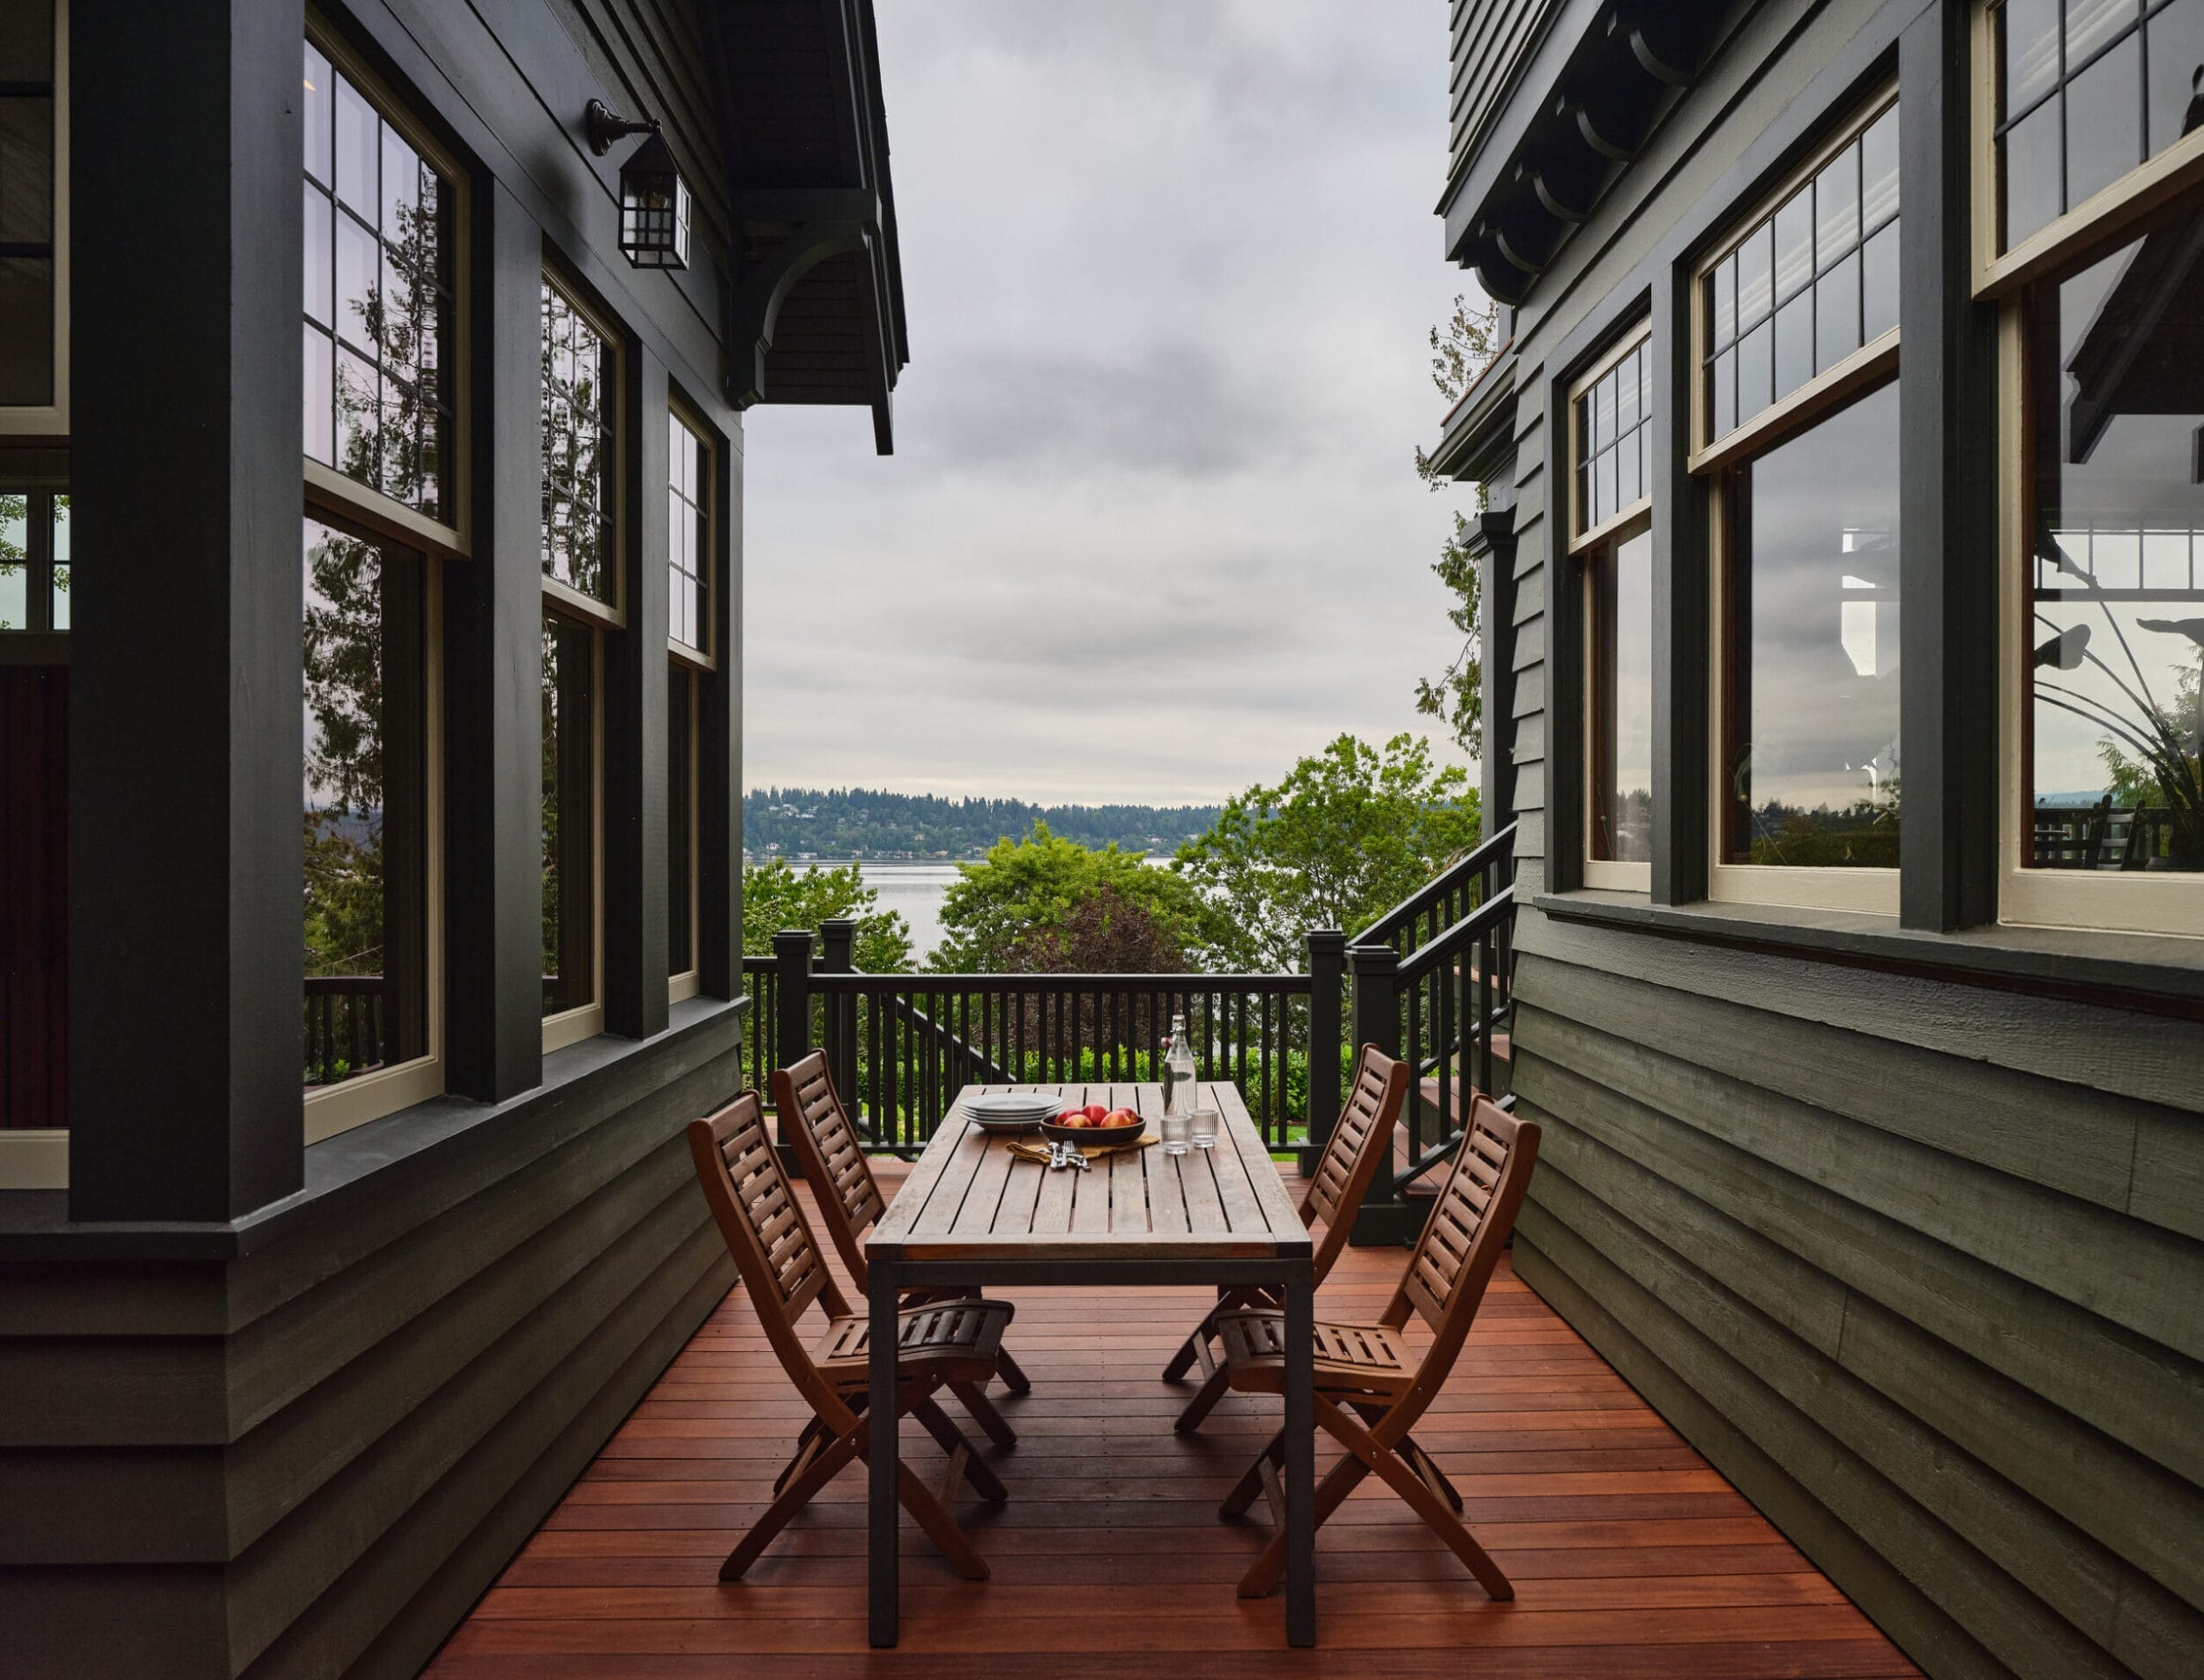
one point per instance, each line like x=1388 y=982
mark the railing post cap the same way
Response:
x=1334 y=938
x=837 y=923
x=793 y=939
x=1373 y=956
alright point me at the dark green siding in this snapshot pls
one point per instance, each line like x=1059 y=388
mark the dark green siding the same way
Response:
x=1914 y=1256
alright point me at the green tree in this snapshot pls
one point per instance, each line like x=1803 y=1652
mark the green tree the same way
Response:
x=776 y=894
x=1457 y=697
x=1026 y=891
x=1348 y=834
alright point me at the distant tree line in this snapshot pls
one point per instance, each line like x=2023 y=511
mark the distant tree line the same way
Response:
x=867 y=822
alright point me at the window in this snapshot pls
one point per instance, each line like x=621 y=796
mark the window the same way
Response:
x=1611 y=448
x=581 y=598
x=580 y=398
x=379 y=300
x=366 y=823
x=681 y=954
x=2085 y=92
x=1806 y=797
x=34 y=218
x=571 y=1007
x=2108 y=575
x=35 y=568
x=688 y=537
x=1807 y=286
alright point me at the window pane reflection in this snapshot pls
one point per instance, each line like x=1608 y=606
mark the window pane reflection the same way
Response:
x=1613 y=415
x=688 y=533
x=378 y=298
x=2116 y=567
x=1620 y=583
x=35 y=570
x=569 y=815
x=577 y=454
x=1811 y=712
x=364 y=807
x=680 y=820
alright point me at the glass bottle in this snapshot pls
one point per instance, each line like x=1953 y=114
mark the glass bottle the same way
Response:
x=1178 y=1069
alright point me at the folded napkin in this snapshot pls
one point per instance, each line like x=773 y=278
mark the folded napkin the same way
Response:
x=1028 y=1149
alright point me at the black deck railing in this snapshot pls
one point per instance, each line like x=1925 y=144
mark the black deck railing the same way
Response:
x=1432 y=982
x=1429 y=981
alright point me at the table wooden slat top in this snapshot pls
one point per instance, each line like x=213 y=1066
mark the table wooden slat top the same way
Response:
x=969 y=1196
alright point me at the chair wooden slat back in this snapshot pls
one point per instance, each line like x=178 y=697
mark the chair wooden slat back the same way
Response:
x=818 y=1126
x=1469 y=1226
x=1359 y=1144
x=758 y=1216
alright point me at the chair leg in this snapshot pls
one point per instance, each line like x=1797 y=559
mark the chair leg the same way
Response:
x=984 y=1414
x=940 y=1526
x=951 y=1440
x=1248 y=1489
x=1395 y=1473
x=1182 y=1361
x=808 y=1441
x=1427 y=1466
x=792 y=1499
x=1013 y=1378
x=1204 y=1400
x=1341 y=1479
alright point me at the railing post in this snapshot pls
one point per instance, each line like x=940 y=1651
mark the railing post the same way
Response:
x=1327 y=984
x=1386 y=1217
x=792 y=959
x=838 y=1016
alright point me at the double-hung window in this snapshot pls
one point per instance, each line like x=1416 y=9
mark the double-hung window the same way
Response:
x=383 y=449
x=1611 y=519
x=689 y=649
x=1796 y=422
x=583 y=597
x=2092 y=241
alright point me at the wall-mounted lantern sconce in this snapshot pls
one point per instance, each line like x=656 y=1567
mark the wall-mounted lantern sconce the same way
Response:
x=653 y=198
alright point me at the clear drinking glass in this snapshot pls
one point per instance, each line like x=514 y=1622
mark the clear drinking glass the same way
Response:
x=1175 y=1131
x=1201 y=1127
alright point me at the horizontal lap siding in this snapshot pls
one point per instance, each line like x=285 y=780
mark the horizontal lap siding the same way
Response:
x=389 y=1404
x=1894 y=1275
x=1490 y=38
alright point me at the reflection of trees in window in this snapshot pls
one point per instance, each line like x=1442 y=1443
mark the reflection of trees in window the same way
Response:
x=363 y=810
x=35 y=565
x=378 y=299
x=2117 y=582
x=569 y=676
x=681 y=820
x=27 y=116
x=577 y=459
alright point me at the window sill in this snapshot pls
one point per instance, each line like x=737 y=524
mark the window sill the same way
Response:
x=2153 y=971
x=458 y=1148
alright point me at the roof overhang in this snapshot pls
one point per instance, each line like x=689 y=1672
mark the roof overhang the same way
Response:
x=814 y=307
x=1600 y=81
x=1478 y=435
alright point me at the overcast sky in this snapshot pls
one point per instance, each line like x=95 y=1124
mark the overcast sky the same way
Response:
x=1151 y=531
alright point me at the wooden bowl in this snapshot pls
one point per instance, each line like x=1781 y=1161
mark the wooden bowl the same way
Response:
x=1095 y=1137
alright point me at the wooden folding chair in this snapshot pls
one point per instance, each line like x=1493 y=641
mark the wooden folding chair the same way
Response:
x=1369 y=1391
x=816 y=1123
x=952 y=1342
x=1351 y=1161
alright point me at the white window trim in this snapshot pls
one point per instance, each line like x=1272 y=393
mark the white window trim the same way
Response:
x=353 y=499
x=2151 y=184
x=53 y=420
x=571 y=1026
x=2132 y=901
x=35 y=1159
x=333 y=1109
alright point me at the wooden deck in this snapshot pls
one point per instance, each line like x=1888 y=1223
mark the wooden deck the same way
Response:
x=1631 y=1558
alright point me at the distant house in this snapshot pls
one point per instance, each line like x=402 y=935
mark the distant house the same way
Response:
x=1816 y=568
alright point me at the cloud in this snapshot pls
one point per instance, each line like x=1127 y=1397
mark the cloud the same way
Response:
x=1152 y=530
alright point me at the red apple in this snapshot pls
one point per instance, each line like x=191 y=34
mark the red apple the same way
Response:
x=1122 y=1117
x=1097 y=1111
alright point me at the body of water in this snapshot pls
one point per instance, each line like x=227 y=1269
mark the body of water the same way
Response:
x=913 y=890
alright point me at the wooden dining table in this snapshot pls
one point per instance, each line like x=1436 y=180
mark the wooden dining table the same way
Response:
x=972 y=1211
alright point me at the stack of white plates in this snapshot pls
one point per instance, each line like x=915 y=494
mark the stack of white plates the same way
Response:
x=1011 y=1111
